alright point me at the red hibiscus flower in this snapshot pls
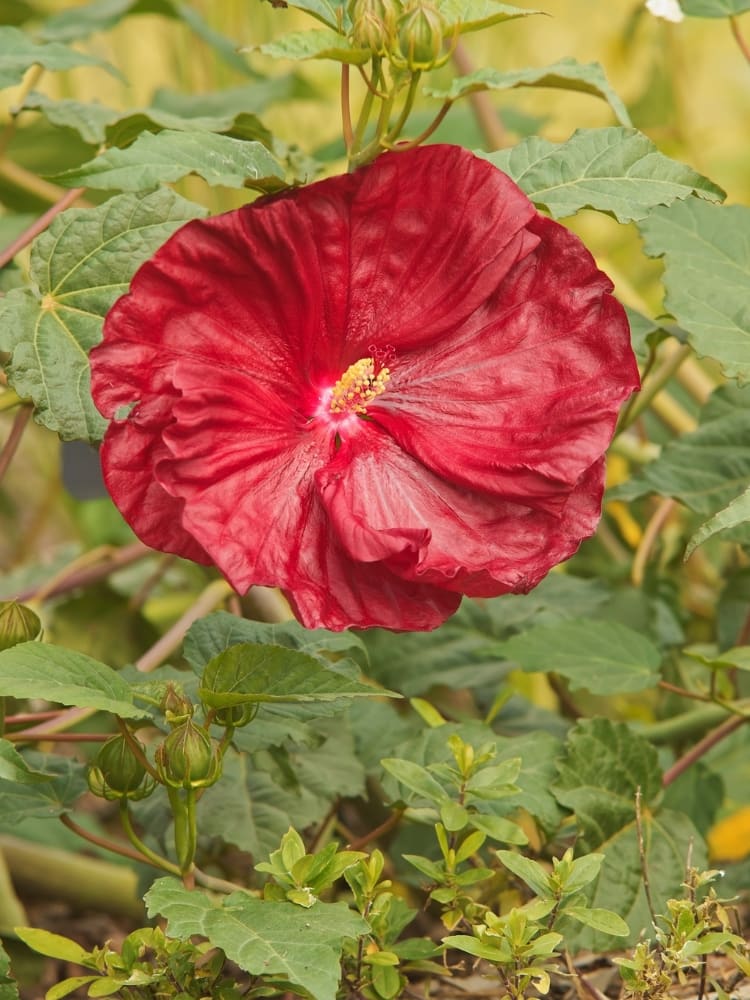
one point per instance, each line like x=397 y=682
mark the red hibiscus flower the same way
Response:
x=378 y=392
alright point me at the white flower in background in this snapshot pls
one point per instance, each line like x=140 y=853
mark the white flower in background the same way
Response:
x=670 y=10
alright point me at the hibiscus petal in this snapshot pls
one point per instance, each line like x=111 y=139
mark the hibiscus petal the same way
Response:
x=384 y=504
x=246 y=479
x=525 y=398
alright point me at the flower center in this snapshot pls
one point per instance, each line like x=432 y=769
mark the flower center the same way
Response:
x=358 y=386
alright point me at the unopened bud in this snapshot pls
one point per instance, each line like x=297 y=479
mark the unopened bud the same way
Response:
x=374 y=24
x=188 y=757
x=420 y=36
x=175 y=706
x=17 y=624
x=116 y=772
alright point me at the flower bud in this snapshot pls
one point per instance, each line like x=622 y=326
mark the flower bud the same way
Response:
x=116 y=772
x=374 y=24
x=188 y=757
x=420 y=36
x=175 y=706
x=17 y=624
x=236 y=715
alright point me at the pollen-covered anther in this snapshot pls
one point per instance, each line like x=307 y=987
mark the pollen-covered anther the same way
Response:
x=358 y=386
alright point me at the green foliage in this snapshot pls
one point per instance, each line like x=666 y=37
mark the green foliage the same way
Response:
x=281 y=941
x=79 y=266
x=714 y=8
x=567 y=74
x=706 y=251
x=18 y=53
x=161 y=157
x=8 y=985
x=614 y=170
x=66 y=677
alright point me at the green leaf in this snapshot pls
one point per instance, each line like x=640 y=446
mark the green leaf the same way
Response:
x=604 y=657
x=166 y=156
x=498 y=828
x=567 y=74
x=707 y=468
x=272 y=939
x=417 y=779
x=706 y=251
x=734 y=514
x=614 y=170
x=88 y=119
x=331 y=12
x=714 y=8
x=13 y=767
x=65 y=677
x=321 y=43
x=528 y=871
x=18 y=53
x=473 y=946
x=45 y=800
x=604 y=766
x=600 y=920
x=79 y=266
x=8 y=985
x=55 y=946
x=66 y=986
x=472 y=15
x=251 y=672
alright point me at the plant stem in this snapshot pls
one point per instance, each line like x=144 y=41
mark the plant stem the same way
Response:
x=701 y=748
x=65 y=201
x=137 y=749
x=653 y=384
x=685 y=726
x=346 y=111
x=148 y=855
x=432 y=127
x=653 y=528
x=214 y=594
x=484 y=110
x=684 y=693
x=10 y=447
x=88 y=883
x=394 y=132
x=115 y=559
x=642 y=855
x=739 y=38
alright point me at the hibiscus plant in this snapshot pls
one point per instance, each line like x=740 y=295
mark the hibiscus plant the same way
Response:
x=389 y=620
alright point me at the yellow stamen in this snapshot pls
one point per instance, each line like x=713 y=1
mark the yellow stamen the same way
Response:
x=358 y=386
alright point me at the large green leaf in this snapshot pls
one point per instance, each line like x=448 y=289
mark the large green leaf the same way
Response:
x=714 y=8
x=331 y=12
x=43 y=800
x=707 y=468
x=706 y=251
x=253 y=673
x=603 y=656
x=18 y=53
x=169 y=155
x=464 y=652
x=567 y=74
x=66 y=677
x=320 y=43
x=275 y=939
x=79 y=266
x=604 y=766
x=83 y=20
x=614 y=170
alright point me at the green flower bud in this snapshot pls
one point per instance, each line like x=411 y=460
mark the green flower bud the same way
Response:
x=17 y=624
x=116 y=772
x=237 y=715
x=175 y=706
x=374 y=24
x=420 y=36
x=188 y=757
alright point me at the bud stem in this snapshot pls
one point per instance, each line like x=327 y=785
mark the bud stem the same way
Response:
x=156 y=859
x=394 y=133
x=346 y=111
x=185 y=832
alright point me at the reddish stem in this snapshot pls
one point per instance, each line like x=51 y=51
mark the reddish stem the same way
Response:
x=739 y=38
x=91 y=574
x=10 y=447
x=346 y=111
x=40 y=225
x=23 y=737
x=695 y=753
